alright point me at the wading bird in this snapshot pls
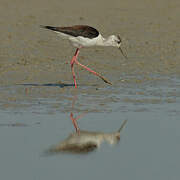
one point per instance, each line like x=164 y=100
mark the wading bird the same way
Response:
x=86 y=36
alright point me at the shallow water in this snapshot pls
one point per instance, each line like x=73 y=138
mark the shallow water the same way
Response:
x=34 y=120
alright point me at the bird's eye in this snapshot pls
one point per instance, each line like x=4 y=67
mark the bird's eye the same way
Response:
x=118 y=42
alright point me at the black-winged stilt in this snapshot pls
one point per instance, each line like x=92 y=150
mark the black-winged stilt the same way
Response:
x=86 y=141
x=86 y=36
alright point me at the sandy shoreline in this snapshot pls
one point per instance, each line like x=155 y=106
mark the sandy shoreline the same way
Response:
x=28 y=54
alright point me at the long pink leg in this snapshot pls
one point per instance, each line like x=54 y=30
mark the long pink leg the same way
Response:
x=95 y=73
x=74 y=121
x=72 y=65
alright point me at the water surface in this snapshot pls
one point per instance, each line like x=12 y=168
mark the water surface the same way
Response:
x=148 y=149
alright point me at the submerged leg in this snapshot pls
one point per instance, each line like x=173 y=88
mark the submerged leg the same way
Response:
x=74 y=121
x=72 y=65
x=95 y=73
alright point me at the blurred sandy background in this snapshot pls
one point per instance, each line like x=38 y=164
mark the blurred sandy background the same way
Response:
x=150 y=31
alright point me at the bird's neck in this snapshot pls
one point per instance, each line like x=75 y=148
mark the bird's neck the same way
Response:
x=104 y=41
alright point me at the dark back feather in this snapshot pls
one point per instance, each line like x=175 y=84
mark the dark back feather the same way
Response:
x=78 y=30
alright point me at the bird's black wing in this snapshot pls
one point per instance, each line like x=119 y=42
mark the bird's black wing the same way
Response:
x=78 y=30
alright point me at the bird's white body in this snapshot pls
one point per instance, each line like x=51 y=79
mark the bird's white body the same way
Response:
x=86 y=42
x=80 y=41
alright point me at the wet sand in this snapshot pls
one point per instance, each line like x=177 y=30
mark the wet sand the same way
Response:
x=29 y=54
x=38 y=61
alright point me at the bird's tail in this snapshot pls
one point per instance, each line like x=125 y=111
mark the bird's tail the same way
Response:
x=49 y=27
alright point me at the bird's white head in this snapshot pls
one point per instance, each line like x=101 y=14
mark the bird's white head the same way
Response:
x=116 y=42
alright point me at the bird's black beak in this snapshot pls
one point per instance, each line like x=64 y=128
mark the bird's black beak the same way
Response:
x=120 y=40
x=125 y=56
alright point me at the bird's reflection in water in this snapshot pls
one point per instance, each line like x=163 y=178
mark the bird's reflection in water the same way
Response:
x=82 y=141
